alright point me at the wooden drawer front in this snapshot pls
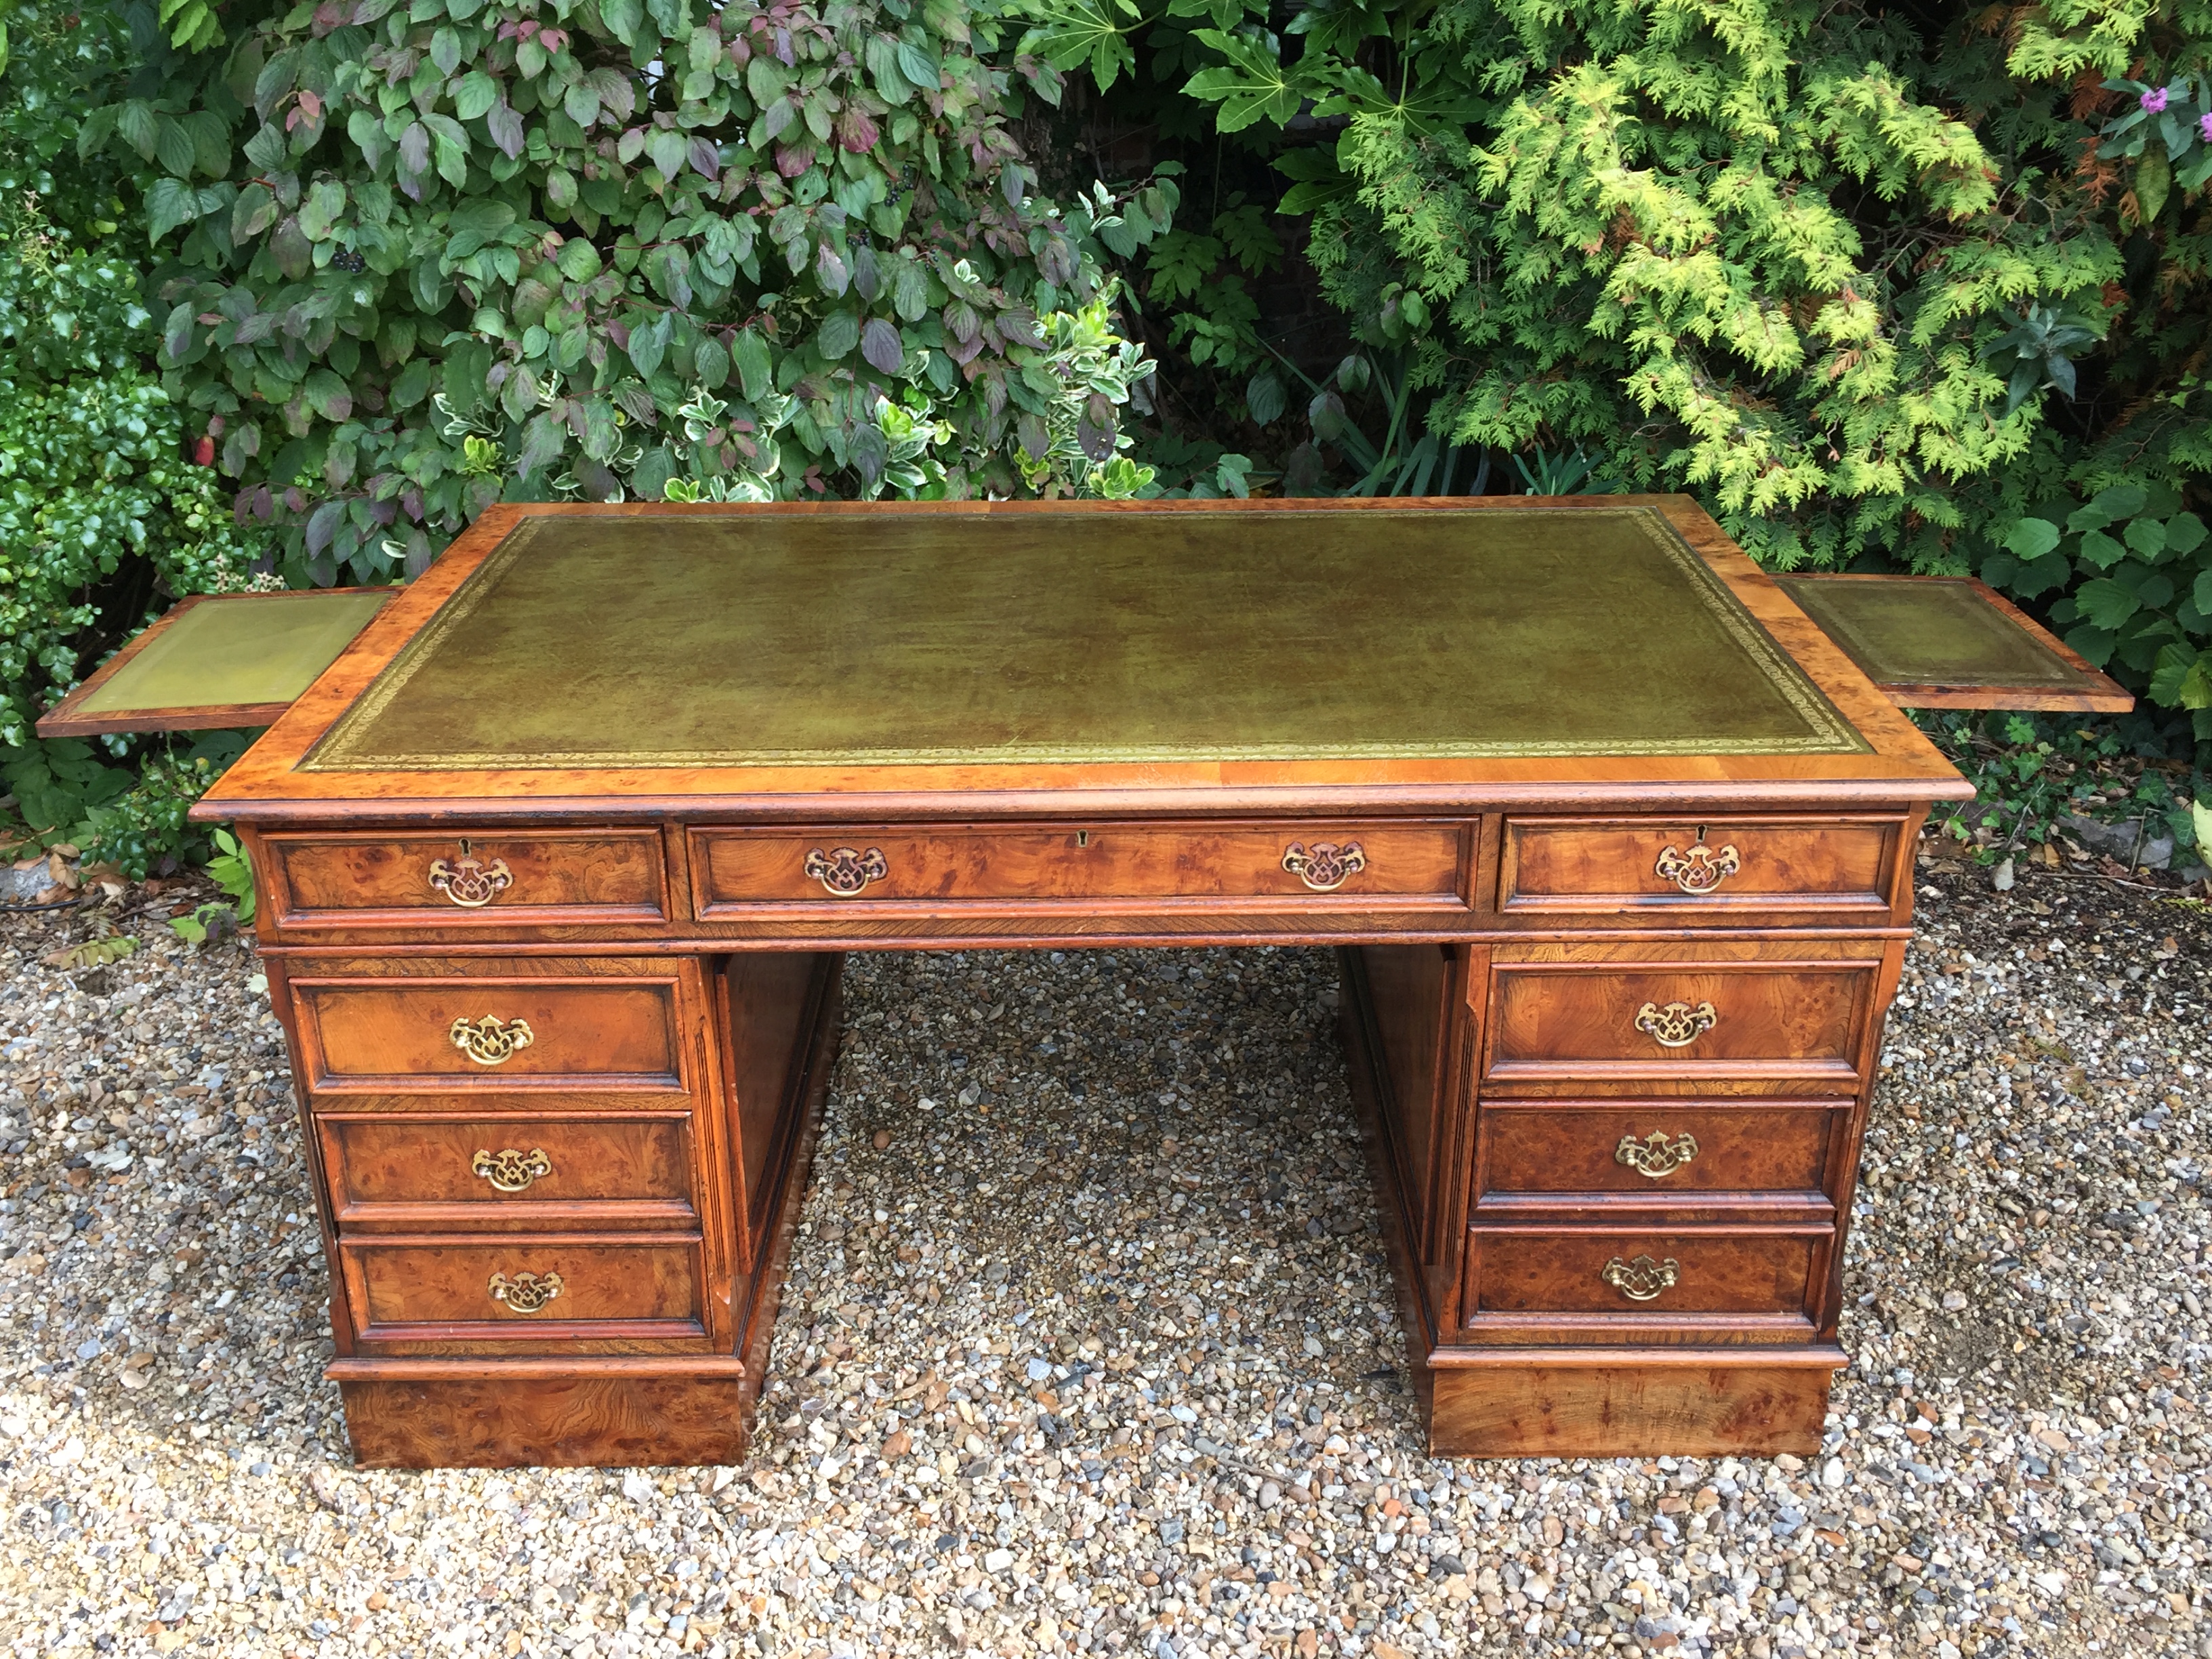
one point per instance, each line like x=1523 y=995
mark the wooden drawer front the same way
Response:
x=1600 y=866
x=414 y=1290
x=1128 y=865
x=1788 y=1022
x=1672 y=1273
x=400 y=1034
x=395 y=1170
x=1656 y=1151
x=492 y=878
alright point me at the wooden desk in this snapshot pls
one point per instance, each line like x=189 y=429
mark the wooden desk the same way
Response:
x=558 y=861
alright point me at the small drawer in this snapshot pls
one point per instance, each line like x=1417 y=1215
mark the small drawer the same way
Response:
x=1655 y=1152
x=1797 y=1027
x=536 y=1289
x=1596 y=866
x=422 y=1026
x=1664 y=1274
x=416 y=1172
x=489 y=879
x=1097 y=868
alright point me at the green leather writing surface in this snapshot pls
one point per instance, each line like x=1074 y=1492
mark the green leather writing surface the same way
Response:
x=902 y=637
x=1923 y=630
x=243 y=648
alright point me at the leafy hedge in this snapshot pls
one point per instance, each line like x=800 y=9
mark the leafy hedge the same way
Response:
x=414 y=259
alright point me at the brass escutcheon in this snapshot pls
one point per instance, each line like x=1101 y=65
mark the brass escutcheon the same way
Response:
x=1324 y=866
x=1677 y=1025
x=1701 y=869
x=1642 y=1280
x=844 y=871
x=491 y=1041
x=468 y=880
x=512 y=1172
x=525 y=1293
x=1657 y=1154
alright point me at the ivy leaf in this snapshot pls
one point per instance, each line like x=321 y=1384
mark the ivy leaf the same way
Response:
x=2106 y=603
x=839 y=334
x=881 y=345
x=2031 y=539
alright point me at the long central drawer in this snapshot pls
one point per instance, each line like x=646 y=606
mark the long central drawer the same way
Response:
x=1324 y=865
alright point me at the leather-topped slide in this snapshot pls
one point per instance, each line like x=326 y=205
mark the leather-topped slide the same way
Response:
x=1951 y=642
x=217 y=662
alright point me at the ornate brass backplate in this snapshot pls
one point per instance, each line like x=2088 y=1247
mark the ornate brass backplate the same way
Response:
x=1324 y=866
x=1701 y=869
x=1678 y=1024
x=512 y=1172
x=1657 y=1154
x=525 y=1293
x=843 y=871
x=491 y=1041
x=1642 y=1280
x=468 y=881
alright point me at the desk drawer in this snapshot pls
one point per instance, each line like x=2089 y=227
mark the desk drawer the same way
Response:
x=495 y=878
x=1599 y=866
x=1656 y=1150
x=1672 y=1274
x=546 y=1290
x=1344 y=864
x=412 y=1171
x=1775 y=1026
x=457 y=1025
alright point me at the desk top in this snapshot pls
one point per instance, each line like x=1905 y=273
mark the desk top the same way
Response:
x=948 y=650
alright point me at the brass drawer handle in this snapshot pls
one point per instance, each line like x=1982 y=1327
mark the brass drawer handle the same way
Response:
x=1701 y=869
x=1324 y=866
x=1656 y=1155
x=512 y=1172
x=844 y=871
x=1642 y=1280
x=525 y=1293
x=468 y=880
x=1677 y=1025
x=491 y=1041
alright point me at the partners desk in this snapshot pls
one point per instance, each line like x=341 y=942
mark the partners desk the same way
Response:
x=558 y=860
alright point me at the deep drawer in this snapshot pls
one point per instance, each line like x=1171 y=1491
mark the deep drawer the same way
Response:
x=1656 y=1150
x=1672 y=1273
x=1273 y=866
x=527 y=1289
x=1795 y=1025
x=396 y=1170
x=497 y=879
x=1599 y=866
x=478 y=1028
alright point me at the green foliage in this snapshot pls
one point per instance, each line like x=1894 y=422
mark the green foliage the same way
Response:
x=417 y=259
x=2029 y=771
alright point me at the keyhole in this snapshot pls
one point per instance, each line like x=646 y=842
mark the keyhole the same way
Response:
x=1083 y=838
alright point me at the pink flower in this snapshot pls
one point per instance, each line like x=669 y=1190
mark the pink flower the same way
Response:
x=2153 y=101
x=2204 y=128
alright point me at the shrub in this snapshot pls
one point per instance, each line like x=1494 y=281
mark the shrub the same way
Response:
x=415 y=259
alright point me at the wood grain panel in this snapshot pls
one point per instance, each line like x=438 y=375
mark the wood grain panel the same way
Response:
x=1600 y=866
x=1779 y=1021
x=584 y=1419
x=1410 y=995
x=418 y=1171
x=422 y=1289
x=1523 y=1271
x=1534 y=1409
x=396 y=1033
x=553 y=876
x=1576 y=1149
x=1097 y=867
x=765 y=1000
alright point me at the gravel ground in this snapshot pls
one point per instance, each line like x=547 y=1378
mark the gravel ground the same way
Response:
x=1090 y=1346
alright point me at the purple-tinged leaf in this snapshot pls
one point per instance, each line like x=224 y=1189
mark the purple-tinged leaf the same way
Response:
x=881 y=345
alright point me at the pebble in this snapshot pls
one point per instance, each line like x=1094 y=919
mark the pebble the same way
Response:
x=1063 y=1367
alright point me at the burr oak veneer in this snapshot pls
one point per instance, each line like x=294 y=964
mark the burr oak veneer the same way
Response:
x=559 y=859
